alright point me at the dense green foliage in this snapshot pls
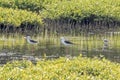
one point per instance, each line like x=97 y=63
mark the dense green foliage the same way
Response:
x=77 y=68
x=84 y=9
x=93 y=10
x=15 y=18
x=33 y=5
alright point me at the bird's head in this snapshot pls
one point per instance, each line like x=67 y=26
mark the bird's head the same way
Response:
x=27 y=37
x=62 y=38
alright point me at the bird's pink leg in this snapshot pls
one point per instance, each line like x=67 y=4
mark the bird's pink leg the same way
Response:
x=66 y=51
x=33 y=50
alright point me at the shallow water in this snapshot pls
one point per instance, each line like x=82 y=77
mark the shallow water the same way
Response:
x=90 y=45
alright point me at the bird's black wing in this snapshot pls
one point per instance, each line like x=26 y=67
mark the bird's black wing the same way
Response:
x=33 y=41
x=68 y=42
x=105 y=40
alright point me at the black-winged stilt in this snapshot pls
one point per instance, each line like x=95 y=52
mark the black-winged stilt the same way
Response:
x=30 y=41
x=105 y=41
x=105 y=44
x=66 y=43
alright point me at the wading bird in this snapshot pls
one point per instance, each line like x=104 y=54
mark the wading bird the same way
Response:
x=66 y=43
x=105 y=44
x=30 y=41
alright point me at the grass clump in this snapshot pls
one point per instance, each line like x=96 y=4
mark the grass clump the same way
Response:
x=61 y=69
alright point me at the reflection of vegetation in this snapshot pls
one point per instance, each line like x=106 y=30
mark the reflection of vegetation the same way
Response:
x=62 y=69
x=52 y=45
